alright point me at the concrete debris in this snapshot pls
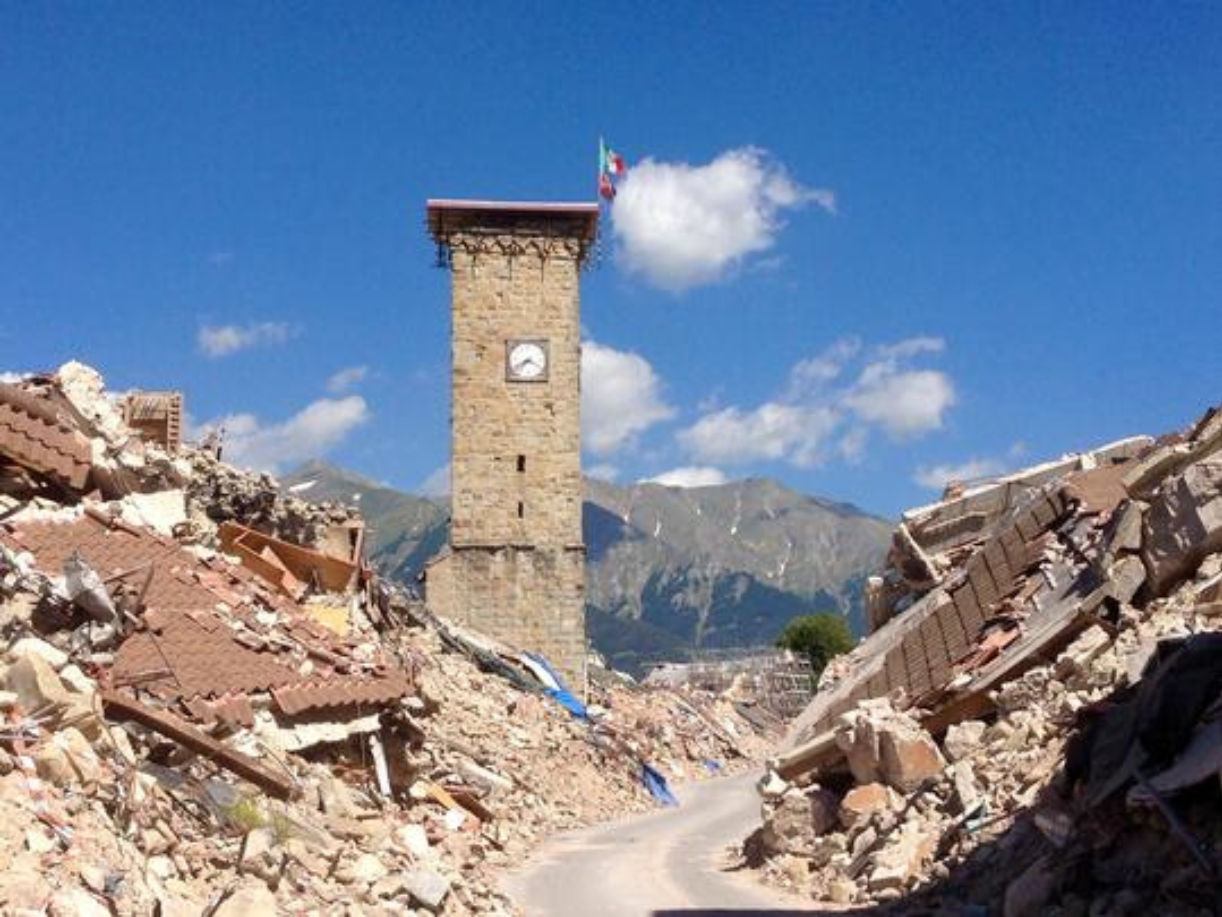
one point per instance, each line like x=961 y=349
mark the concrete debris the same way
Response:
x=165 y=512
x=1027 y=895
x=883 y=745
x=778 y=683
x=211 y=704
x=796 y=818
x=426 y=888
x=1184 y=523
x=83 y=386
x=36 y=685
x=863 y=801
x=252 y=900
x=899 y=863
x=1054 y=633
x=219 y=493
x=53 y=656
x=962 y=739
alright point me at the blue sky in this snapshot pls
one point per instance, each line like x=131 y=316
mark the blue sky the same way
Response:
x=858 y=244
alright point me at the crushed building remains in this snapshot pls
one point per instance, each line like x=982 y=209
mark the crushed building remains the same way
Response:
x=155 y=417
x=970 y=749
x=213 y=705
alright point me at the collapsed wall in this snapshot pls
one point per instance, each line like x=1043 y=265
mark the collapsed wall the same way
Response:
x=213 y=705
x=975 y=746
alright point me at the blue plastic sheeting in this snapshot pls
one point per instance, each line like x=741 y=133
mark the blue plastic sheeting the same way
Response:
x=560 y=692
x=656 y=784
x=712 y=766
x=554 y=687
x=540 y=668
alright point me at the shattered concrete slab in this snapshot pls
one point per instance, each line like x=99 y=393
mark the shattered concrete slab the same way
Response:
x=1090 y=670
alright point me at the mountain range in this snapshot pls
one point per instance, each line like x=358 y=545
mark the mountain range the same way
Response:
x=671 y=571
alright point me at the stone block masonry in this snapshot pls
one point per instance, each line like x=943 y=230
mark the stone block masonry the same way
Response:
x=532 y=598
x=516 y=563
x=515 y=444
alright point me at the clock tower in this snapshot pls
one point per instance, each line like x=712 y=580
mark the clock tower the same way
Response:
x=515 y=567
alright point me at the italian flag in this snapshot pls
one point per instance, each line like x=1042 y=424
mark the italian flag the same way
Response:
x=609 y=161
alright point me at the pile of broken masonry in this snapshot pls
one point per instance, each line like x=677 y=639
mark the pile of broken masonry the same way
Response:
x=211 y=705
x=1035 y=724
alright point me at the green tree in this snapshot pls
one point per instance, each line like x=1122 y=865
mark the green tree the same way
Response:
x=819 y=636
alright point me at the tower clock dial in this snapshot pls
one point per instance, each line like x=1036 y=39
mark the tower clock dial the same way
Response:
x=526 y=361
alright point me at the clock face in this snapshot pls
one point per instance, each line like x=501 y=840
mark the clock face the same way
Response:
x=527 y=360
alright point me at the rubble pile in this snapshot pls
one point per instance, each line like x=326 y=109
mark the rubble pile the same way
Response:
x=780 y=682
x=222 y=493
x=212 y=705
x=1036 y=724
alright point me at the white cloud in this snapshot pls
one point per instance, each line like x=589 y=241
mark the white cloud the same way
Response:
x=437 y=484
x=911 y=347
x=823 y=368
x=691 y=476
x=222 y=340
x=621 y=397
x=11 y=378
x=852 y=445
x=602 y=472
x=681 y=226
x=829 y=406
x=905 y=403
x=937 y=477
x=347 y=379
x=774 y=431
x=311 y=432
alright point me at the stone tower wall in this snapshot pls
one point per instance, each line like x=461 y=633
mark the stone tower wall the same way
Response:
x=516 y=569
x=497 y=298
x=531 y=598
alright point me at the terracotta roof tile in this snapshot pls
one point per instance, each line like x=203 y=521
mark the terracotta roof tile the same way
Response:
x=115 y=550
x=180 y=658
x=342 y=692
x=920 y=650
x=187 y=650
x=235 y=709
x=1100 y=489
x=33 y=433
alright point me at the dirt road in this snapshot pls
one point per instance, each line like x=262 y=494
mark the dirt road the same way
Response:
x=664 y=863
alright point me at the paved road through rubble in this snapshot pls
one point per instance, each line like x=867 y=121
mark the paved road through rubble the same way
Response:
x=662 y=863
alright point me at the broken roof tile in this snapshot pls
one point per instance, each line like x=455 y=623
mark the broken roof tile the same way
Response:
x=34 y=434
x=1099 y=490
x=342 y=692
x=179 y=658
x=111 y=551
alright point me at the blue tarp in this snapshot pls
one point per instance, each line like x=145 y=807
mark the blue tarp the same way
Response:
x=560 y=693
x=651 y=777
x=656 y=784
